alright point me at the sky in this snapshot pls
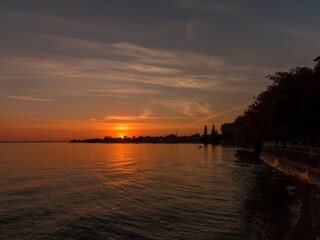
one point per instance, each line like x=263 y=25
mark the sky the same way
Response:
x=94 y=68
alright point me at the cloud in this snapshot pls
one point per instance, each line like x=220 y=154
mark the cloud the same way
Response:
x=129 y=63
x=191 y=28
x=202 y=5
x=299 y=32
x=99 y=26
x=125 y=91
x=146 y=114
x=190 y=108
x=30 y=98
x=222 y=113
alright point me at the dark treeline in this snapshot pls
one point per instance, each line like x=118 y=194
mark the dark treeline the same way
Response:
x=226 y=137
x=212 y=138
x=172 y=138
x=287 y=112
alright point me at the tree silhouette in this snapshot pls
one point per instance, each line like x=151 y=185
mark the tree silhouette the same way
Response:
x=287 y=111
x=227 y=132
x=214 y=134
x=205 y=134
x=213 y=129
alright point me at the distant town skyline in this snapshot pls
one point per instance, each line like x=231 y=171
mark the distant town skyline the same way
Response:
x=83 y=69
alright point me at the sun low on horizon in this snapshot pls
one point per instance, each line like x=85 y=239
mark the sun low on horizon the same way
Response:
x=122 y=131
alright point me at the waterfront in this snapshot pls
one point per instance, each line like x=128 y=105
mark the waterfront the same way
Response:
x=147 y=191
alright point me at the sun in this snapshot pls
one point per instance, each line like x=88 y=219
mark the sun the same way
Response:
x=121 y=131
x=121 y=135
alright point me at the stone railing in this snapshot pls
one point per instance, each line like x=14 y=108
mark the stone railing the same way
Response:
x=293 y=152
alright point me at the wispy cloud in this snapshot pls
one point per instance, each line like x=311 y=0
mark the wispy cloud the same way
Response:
x=99 y=26
x=204 y=5
x=222 y=113
x=300 y=32
x=30 y=98
x=126 y=91
x=189 y=108
x=146 y=114
x=126 y=62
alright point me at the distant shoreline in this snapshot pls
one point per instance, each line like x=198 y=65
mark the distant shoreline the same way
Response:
x=149 y=139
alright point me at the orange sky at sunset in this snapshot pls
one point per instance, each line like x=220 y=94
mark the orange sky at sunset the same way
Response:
x=139 y=68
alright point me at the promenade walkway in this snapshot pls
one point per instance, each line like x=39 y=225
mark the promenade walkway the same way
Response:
x=294 y=153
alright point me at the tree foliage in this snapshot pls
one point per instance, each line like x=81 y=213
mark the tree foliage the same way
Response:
x=227 y=132
x=287 y=111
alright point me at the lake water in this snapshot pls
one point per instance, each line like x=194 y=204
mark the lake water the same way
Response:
x=146 y=191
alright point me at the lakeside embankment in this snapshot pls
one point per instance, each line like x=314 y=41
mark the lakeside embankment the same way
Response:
x=300 y=162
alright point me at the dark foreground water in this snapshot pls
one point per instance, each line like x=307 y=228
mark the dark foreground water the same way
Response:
x=148 y=191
